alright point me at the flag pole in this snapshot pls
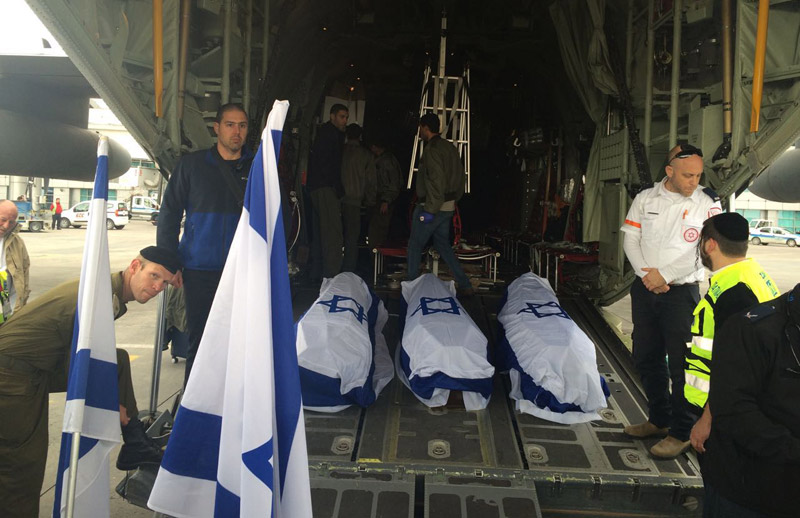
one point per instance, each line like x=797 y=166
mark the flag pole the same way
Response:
x=73 y=473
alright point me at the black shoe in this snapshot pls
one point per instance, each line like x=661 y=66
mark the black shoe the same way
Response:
x=138 y=448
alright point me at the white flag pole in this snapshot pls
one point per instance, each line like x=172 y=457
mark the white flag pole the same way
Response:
x=73 y=473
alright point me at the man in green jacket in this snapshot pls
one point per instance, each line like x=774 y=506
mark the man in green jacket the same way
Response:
x=35 y=347
x=440 y=184
x=388 y=184
x=737 y=283
x=358 y=174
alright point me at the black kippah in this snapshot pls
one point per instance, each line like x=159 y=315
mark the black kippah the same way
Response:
x=163 y=256
x=731 y=225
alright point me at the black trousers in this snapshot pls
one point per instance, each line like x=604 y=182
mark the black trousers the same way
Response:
x=661 y=328
x=199 y=287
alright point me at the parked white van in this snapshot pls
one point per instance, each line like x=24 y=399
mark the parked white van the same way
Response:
x=142 y=206
x=78 y=215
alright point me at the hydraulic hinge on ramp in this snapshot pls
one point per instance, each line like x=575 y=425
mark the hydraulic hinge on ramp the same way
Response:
x=454 y=118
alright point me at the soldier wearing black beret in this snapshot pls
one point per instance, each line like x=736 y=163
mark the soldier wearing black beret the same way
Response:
x=34 y=362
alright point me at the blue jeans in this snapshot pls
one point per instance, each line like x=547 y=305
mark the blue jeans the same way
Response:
x=439 y=229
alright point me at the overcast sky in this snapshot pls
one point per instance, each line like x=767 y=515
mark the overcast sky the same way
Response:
x=21 y=32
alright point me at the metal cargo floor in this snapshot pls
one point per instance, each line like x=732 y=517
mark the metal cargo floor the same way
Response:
x=398 y=458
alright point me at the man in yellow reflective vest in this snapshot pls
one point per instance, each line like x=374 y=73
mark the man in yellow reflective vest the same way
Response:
x=737 y=283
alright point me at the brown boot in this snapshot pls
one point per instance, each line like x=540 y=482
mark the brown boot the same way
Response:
x=669 y=447
x=646 y=429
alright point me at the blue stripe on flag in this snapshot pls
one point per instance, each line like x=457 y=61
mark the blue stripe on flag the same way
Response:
x=258 y=462
x=277 y=135
x=532 y=391
x=101 y=178
x=254 y=196
x=194 y=445
x=424 y=386
x=90 y=379
x=63 y=463
x=227 y=504
x=288 y=400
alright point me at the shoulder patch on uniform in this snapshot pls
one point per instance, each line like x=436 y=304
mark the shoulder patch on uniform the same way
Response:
x=711 y=193
x=757 y=313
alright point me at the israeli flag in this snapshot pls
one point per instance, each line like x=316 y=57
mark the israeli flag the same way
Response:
x=341 y=350
x=92 y=407
x=238 y=446
x=442 y=348
x=550 y=360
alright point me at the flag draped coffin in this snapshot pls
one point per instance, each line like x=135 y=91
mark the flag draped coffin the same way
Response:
x=238 y=444
x=551 y=361
x=442 y=349
x=92 y=407
x=342 y=353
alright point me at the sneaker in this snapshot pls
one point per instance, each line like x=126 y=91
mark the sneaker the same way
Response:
x=138 y=449
x=646 y=429
x=669 y=447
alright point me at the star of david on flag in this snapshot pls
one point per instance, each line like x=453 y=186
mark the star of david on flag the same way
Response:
x=335 y=307
x=535 y=308
x=428 y=306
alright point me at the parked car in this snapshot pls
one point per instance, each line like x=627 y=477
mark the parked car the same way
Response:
x=142 y=206
x=78 y=215
x=767 y=235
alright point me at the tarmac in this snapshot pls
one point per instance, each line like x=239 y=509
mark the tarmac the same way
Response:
x=56 y=257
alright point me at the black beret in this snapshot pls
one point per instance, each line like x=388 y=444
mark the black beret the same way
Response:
x=163 y=256
x=731 y=225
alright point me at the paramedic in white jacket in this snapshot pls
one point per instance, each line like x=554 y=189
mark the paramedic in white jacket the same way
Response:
x=661 y=233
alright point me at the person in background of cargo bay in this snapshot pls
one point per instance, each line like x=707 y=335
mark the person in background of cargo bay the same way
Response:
x=388 y=184
x=209 y=186
x=661 y=232
x=440 y=184
x=751 y=468
x=358 y=173
x=324 y=183
x=736 y=284
x=15 y=264
x=35 y=348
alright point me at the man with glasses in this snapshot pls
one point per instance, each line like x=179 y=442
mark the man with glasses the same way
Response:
x=752 y=461
x=661 y=232
x=737 y=283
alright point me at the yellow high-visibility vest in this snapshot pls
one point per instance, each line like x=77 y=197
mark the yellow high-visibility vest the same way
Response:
x=698 y=354
x=4 y=294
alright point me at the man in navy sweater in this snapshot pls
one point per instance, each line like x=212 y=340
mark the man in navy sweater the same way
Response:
x=208 y=186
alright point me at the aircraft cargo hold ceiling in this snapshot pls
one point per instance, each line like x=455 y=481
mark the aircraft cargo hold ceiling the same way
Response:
x=541 y=73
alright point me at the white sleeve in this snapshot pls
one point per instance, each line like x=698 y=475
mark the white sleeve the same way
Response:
x=633 y=251
x=631 y=242
x=633 y=221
